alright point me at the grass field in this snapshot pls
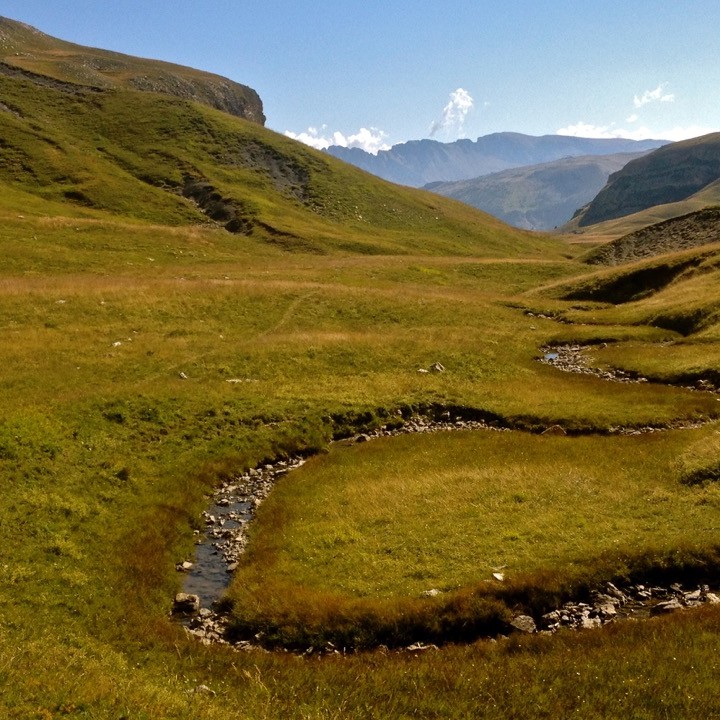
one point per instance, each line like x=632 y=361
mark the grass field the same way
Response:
x=124 y=311
x=107 y=454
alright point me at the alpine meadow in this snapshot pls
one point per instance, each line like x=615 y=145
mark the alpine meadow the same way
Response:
x=494 y=453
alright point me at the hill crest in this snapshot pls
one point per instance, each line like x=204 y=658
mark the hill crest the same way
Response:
x=669 y=174
x=34 y=53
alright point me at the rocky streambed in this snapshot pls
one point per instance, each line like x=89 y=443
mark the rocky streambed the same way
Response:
x=233 y=505
x=573 y=358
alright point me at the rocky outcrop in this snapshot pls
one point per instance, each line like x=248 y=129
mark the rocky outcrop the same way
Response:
x=215 y=91
x=68 y=67
x=227 y=212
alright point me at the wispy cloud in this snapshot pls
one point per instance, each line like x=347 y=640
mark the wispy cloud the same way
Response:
x=582 y=129
x=639 y=131
x=656 y=95
x=452 y=120
x=371 y=140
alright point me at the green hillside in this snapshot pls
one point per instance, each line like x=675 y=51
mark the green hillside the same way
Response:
x=26 y=51
x=612 y=229
x=159 y=159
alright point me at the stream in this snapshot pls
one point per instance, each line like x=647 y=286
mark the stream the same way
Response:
x=233 y=505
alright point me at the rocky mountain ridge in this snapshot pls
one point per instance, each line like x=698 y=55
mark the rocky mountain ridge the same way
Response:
x=28 y=51
x=420 y=162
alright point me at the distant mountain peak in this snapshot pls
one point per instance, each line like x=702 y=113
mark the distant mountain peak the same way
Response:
x=419 y=162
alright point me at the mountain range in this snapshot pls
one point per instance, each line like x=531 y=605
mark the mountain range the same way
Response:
x=420 y=162
x=537 y=197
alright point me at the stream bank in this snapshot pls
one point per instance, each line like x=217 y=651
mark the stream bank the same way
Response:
x=224 y=538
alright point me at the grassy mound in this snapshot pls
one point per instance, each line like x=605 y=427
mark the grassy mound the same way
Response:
x=343 y=545
x=682 y=233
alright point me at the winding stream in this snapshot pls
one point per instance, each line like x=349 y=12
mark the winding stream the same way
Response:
x=224 y=539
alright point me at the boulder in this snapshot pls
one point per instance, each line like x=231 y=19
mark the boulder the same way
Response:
x=186 y=604
x=664 y=608
x=555 y=430
x=524 y=624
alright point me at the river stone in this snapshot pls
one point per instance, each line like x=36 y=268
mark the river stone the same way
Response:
x=589 y=623
x=524 y=624
x=186 y=604
x=433 y=592
x=607 y=610
x=555 y=430
x=666 y=607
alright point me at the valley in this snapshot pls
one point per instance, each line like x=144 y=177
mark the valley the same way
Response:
x=190 y=302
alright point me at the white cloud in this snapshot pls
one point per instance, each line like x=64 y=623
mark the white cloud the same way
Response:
x=371 y=140
x=656 y=95
x=582 y=129
x=633 y=118
x=454 y=113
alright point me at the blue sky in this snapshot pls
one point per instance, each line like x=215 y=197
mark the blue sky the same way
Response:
x=377 y=72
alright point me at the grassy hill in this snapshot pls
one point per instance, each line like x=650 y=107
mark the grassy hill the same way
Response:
x=698 y=228
x=24 y=50
x=185 y=295
x=160 y=159
x=613 y=229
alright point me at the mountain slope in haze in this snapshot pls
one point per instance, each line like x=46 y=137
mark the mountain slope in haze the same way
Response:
x=669 y=174
x=538 y=197
x=132 y=156
x=420 y=162
x=25 y=50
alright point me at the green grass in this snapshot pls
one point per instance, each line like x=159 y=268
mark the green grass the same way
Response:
x=106 y=453
x=326 y=310
x=407 y=514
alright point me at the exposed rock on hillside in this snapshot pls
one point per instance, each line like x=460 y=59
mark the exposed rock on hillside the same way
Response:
x=681 y=233
x=42 y=56
x=225 y=211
